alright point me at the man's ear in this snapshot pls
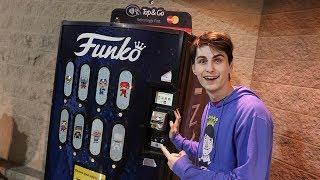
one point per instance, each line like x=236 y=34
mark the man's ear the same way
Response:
x=231 y=69
x=192 y=66
x=231 y=66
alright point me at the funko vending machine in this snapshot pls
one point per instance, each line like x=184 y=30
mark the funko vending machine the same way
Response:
x=115 y=88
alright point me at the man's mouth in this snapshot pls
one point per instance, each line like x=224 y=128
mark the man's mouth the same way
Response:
x=210 y=78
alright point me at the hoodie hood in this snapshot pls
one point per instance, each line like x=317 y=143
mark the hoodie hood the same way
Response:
x=237 y=93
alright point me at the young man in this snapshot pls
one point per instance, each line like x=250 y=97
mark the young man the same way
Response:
x=236 y=127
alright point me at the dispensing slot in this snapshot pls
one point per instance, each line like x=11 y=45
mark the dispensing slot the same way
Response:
x=78 y=131
x=102 y=86
x=96 y=137
x=117 y=142
x=84 y=82
x=68 y=80
x=124 y=89
x=63 y=128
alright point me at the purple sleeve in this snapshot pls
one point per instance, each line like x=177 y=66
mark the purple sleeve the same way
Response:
x=181 y=143
x=190 y=147
x=254 y=146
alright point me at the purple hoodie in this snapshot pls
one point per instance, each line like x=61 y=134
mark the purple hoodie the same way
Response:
x=235 y=141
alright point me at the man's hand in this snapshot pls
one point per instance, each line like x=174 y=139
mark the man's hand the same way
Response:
x=174 y=127
x=172 y=157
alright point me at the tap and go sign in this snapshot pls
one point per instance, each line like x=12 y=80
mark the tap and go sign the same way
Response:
x=153 y=16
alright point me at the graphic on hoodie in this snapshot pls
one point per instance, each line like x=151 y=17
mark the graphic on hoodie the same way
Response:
x=208 y=141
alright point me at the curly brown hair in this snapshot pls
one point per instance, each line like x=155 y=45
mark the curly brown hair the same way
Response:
x=219 y=41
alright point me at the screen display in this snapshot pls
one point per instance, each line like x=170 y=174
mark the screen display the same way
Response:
x=164 y=98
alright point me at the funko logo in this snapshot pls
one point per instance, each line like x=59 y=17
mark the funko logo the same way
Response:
x=139 y=46
x=104 y=51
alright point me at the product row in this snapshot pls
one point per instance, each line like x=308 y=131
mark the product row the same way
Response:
x=101 y=95
x=117 y=137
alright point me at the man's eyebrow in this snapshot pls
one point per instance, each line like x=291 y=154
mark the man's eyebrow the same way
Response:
x=217 y=55
x=201 y=57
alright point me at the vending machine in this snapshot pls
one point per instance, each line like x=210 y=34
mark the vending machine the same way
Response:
x=115 y=88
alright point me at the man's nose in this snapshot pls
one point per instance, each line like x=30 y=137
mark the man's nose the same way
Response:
x=209 y=66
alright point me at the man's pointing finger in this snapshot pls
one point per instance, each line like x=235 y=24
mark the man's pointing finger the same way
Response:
x=165 y=151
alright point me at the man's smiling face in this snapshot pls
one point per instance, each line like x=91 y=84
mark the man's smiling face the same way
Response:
x=212 y=69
